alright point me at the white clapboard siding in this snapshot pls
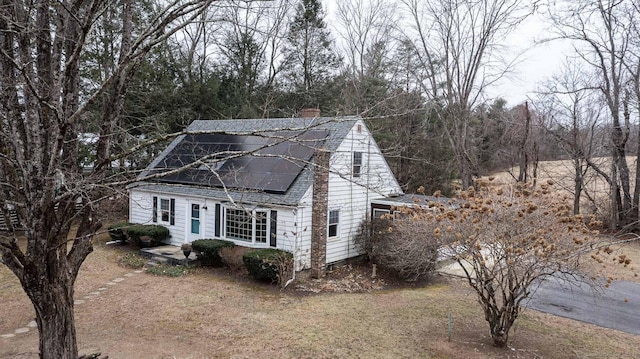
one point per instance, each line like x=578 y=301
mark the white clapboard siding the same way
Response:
x=288 y=238
x=303 y=227
x=140 y=207
x=351 y=195
x=141 y=211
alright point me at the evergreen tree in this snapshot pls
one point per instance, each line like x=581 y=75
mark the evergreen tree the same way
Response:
x=311 y=60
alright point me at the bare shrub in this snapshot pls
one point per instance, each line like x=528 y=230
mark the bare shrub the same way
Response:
x=285 y=265
x=401 y=246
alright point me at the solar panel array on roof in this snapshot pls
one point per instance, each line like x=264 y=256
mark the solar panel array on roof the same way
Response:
x=268 y=161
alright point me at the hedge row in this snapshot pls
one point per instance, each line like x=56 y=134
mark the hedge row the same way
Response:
x=136 y=232
x=272 y=265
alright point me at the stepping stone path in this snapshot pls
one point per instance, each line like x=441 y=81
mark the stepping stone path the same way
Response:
x=91 y=295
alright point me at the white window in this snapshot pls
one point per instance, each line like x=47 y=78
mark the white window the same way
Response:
x=165 y=210
x=378 y=213
x=357 y=164
x=246 y=226
x=261 y=227
x=333 y=229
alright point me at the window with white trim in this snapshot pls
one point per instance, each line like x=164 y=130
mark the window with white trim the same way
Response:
x=357 y=164
x=246 y=226
x=378 y=213
x=333 y=229
x=164 y=210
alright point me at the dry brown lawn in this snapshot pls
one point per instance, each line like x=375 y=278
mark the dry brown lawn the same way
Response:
x=209 y=314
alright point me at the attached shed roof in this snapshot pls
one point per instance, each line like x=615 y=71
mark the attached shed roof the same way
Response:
x=261 y=161
x=409 y=199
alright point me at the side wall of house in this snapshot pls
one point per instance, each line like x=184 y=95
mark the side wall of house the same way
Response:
x=350 y=193
x=301 y=233
x=141 y=211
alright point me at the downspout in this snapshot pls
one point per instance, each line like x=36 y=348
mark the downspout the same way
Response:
x=295 y=246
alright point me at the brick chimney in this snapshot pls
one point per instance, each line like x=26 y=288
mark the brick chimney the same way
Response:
x=319 y=213
x=309 y=112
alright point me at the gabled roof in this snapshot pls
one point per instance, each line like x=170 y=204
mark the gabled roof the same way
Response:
x=258 y=160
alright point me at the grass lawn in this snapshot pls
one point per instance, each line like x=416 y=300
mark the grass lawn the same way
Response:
x=208 y=314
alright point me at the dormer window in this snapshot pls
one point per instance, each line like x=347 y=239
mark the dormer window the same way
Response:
x=357 y=164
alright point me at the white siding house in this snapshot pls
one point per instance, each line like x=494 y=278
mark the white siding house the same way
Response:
x=262 y=196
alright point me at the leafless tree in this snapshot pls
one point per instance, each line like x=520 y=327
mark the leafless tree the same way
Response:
x=364 y=26
x=600 y=30
x=574 y=117
x=250 y=45
x=42 y=48
x=457 y=44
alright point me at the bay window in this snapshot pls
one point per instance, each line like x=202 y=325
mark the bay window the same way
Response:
x=248 y=226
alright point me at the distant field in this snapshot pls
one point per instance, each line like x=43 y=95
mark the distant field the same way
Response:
x=562 y=174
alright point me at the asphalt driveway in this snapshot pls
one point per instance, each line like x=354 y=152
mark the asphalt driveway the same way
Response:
x=616 y=307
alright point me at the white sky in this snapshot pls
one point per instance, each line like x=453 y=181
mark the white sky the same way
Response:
x=537 y=64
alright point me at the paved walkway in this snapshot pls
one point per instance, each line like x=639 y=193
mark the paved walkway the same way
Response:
x=32 y=325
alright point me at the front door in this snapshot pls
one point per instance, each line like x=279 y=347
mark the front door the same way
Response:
x=195 y=221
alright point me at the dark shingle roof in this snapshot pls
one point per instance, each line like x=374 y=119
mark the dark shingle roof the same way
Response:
x=335 y=130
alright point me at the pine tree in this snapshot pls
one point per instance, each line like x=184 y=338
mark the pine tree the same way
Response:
x=311 y=61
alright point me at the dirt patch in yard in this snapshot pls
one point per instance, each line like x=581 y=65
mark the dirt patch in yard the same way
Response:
x=211 y=314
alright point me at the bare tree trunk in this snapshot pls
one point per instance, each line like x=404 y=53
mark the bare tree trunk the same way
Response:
x=55 y=316
x=616 y=206
x=536 y=160
x=522 y=150
x=636 y=192
x=577 y=185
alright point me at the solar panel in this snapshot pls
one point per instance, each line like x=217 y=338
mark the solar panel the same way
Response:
x=268 y=162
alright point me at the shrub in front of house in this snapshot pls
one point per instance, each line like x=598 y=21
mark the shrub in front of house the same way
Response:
x=271 y=265
x=208 y=251
x=403 y=246
x=156 y=232
x=117 y=231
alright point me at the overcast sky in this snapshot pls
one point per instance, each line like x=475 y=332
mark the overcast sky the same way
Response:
x=538 y=63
